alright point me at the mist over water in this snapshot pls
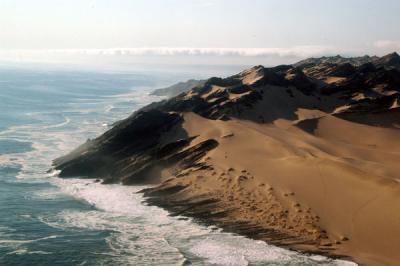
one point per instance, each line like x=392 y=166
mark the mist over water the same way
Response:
x=45 y=220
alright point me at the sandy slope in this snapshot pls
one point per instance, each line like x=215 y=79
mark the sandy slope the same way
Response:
x=341 y=178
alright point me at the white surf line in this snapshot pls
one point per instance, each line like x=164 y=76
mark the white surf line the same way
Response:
x=119 y=209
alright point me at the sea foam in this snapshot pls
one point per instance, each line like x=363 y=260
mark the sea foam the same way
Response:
x=136 y=228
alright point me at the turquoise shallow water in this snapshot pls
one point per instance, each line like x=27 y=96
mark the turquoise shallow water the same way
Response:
x=45 y=220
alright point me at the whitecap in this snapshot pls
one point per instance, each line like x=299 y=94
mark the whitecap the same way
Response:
x=24 y=251
x=238 y=251
x=16 y=243
x=62 y=124
x=48 y=194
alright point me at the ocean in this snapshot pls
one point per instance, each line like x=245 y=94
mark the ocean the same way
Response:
x=45 y=220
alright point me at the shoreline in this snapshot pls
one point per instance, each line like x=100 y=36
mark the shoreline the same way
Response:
x=205 y=211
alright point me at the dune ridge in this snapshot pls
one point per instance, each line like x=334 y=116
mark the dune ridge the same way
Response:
x=303 y=156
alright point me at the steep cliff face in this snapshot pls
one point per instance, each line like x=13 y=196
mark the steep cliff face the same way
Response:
x=287 y=154
x=131 y=147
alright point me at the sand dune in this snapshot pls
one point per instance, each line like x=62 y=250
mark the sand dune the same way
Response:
x=305 y=157
x=333 y=180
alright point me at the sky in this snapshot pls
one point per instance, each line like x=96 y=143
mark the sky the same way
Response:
x=195 y=31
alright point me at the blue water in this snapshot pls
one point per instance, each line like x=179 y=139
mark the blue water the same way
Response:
x=45 y=220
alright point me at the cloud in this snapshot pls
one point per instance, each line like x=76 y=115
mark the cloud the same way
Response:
x=388 y=44
x=168 y=56
x=296 y=51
